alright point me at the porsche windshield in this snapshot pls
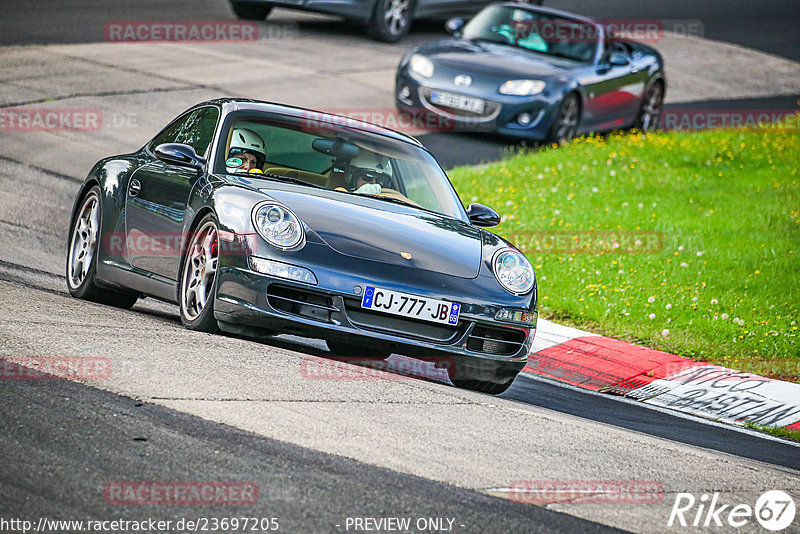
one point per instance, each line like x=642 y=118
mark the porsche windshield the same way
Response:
x=340 y=158
x=539 y=32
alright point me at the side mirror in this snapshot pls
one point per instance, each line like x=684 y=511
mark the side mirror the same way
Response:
x=181 y=155
x=454 y=26
x=482 y=216
x=618 y=60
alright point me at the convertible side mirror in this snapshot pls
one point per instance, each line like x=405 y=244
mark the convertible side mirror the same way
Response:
x=482 y=216
x=454 y=26
x=181 y=155
x=618 y=60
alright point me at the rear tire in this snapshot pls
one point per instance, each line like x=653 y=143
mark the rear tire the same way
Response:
x=82 y=251
x=250 y=11
x=198 y=282
x=391 y=20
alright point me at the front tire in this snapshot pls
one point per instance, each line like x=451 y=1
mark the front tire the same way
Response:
x=391 y=20
x=565 y=124
x=652 y=106
x=82 y=252
x=481 y=377
x=250 y=10
x=198 y=285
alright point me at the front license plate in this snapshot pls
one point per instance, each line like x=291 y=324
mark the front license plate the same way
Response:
x=452 y=100
x=412 y=306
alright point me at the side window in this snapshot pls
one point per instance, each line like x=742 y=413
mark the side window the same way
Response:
x=198 y=130
x=170 y=133
x=615 y=47
x=195 y=129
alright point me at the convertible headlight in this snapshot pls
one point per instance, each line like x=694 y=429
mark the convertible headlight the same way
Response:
x=421 y=65
x=277 y=225
x=522 y=87
x=513 y=270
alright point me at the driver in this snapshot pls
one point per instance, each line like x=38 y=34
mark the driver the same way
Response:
x=369 y=172
x=247 y=152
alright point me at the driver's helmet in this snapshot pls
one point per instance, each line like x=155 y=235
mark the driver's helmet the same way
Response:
x=370 y=167
x=245 y=141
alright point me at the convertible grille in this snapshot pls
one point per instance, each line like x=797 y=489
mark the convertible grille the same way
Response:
x=411 y=328
x=304 y=303
x=498 y=341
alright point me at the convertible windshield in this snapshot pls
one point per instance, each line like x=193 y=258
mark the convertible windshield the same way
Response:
x=340 y=158
x=539 y=32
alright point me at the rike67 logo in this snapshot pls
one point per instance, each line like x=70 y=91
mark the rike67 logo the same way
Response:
x=774 y=510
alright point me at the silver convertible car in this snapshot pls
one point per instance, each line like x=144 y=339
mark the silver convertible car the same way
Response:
x=258 y=218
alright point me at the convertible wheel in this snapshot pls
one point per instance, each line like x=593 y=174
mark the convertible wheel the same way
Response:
x=566 y=122
x=82 y=256
x=351 y=350
x=198 y=283
x=251 y=11
x=391 y=20
x=652 y=105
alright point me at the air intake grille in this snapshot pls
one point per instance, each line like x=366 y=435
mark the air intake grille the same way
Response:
x=301 y=302
x=498 y=341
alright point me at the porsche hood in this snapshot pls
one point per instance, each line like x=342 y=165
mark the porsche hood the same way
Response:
x=364 y=230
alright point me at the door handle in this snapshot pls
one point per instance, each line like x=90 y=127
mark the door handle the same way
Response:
x=134 y=187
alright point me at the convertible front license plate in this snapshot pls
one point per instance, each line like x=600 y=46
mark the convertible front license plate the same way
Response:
x=452 y=100
x=412 y=306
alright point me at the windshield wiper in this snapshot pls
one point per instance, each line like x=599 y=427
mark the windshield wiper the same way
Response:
x=289 y=179
x=493 y=41
x=393 y=200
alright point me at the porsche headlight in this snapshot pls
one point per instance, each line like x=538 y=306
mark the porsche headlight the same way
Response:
x=522 y=87
x=421 y=65
x=513 y=270
x=277 y=225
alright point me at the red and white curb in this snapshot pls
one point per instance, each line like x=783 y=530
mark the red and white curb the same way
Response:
x=610 y=366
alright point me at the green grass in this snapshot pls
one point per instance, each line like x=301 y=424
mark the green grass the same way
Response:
x=724 y=284
x=780 y=432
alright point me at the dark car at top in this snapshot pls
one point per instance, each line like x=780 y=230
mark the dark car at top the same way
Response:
x=533 y=73
x=386 y=20
x=262 y=219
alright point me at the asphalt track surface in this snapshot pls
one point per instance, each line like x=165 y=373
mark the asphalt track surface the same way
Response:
x=56 y=468
x=767 y=25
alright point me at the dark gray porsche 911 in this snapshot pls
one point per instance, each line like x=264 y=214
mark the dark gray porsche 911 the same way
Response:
x=257 y=218
x=533 y=73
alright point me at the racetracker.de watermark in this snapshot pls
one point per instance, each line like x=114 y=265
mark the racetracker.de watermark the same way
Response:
x=149 y=493
x=368 y=367
x=542 y=492
x=137 y=243
x=195 y=31
x=752 y=119
x=54 y=368
x=63 y=120
x=539 y=33
x=417 y=121
x=589 y=242
x=50 y=120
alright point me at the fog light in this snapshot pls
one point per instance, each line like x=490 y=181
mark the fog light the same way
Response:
x=282 y=270
x=524 y=119
x=516 y=316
